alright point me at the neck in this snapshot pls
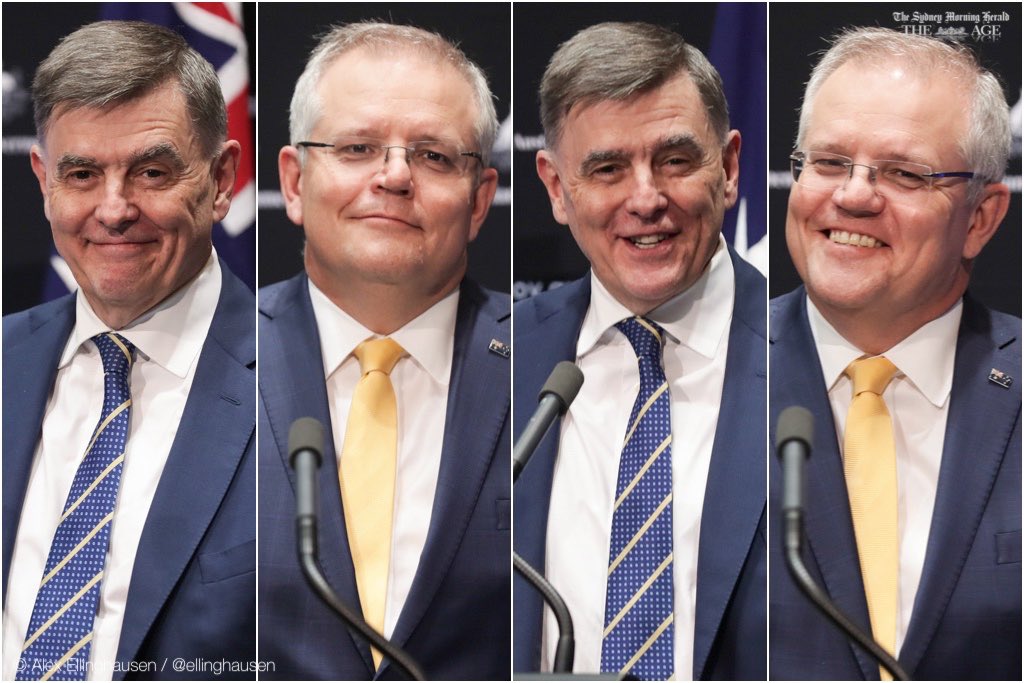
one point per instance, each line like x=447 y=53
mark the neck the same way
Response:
x=382 y=308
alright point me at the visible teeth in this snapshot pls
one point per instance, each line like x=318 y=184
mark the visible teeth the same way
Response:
x=647 y=240
x=853 y=239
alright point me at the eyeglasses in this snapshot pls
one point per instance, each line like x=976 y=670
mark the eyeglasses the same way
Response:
x=429 y=157
x=827 y=171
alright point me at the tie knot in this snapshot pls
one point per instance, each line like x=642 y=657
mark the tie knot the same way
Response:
x=378 y=355
x=870 y=374
x=115 y=352
x=644 y=335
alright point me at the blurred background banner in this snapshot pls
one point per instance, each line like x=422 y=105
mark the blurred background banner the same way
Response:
x=221 y=32
x=288 y=34
x=732 y=35
x=799 y=35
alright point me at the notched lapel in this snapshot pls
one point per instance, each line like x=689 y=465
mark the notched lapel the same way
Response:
x=981 y=422
x=478 y=407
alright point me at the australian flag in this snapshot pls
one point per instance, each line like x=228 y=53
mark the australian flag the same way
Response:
x=739 y=52
x=214 y=29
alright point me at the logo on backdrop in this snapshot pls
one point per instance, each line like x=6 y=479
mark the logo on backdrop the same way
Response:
x=972 y=26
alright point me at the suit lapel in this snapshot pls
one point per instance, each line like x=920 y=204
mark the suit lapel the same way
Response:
x=216 y=427
x=732 y=507
x=296 y=388
x=478 y=406
x=549 y=339
x=30 y=369
x=981 y=420
x=829 y=528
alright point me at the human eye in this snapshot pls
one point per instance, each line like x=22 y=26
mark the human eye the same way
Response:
x=78 y=176
x=437 y=157
x=827 y=165
x=356 y=150
x=909 y=176
x=677 y=163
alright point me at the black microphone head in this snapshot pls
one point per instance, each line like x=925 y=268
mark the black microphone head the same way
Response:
x=795 y=422
x=564 y=382
x=306 y=434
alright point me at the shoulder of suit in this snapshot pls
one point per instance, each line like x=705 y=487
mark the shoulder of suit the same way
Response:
x=20 y=323
x=271 y=297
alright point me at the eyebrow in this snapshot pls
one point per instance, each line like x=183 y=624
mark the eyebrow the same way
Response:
x=163 y=151
x=683 y=141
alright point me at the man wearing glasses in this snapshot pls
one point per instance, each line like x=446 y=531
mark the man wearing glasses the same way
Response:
x=913 y=490
x=402 y=360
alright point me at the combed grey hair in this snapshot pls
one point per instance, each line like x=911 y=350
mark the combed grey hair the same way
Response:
x=617 y=61
x=108 y=63
x=306 y=106
x=985 y=145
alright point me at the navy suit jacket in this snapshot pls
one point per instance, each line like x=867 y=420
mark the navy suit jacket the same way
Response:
x=193 y=587
x=967 y=613
x=730 y=635
x=455 y=621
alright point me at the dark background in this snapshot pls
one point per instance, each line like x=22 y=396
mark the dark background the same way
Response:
x=287 y=35
x=797 y=33
x=30 y=32
x=544 y=252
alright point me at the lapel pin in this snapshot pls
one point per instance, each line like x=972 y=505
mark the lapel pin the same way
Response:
x=500 y=348
x=1001 y=378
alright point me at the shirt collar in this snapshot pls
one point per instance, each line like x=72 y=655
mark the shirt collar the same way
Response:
x=429 y=339
x=926 y=357
x=696 y=318
x=171 y=334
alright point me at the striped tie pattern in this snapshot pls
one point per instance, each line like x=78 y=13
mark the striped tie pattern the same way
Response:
x=59 y=635
x=639 y=610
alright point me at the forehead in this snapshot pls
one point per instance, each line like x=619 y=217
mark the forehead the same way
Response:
x=158 y=116
x=889 y=109
x=371 y=90
x=672 y=109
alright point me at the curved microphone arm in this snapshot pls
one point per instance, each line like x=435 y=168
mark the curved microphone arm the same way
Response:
x=566 y=649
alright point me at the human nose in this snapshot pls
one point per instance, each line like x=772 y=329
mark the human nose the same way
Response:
x=116 y=210
x=858 y=193
x=645 y=199
x=396 y=175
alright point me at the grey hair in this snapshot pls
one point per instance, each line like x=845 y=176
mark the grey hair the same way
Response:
x=985 y=145
x=615 y=61
x=108 y=63
x=306 y=106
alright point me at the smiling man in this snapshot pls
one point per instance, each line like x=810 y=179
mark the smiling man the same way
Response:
x=651 y=518
x=914 y=488
x=129 y=410
x=402 y=360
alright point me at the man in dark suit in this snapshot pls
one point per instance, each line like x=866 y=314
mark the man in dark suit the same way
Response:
x=641 y=165
x=129 y=527
x=388 y=176
x=901 y=151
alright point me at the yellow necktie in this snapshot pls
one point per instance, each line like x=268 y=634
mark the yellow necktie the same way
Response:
x=869 y=461
x=368 y=475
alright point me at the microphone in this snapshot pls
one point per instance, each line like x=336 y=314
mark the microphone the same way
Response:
x=794 y=435
x=558 y=393
x=305 y=453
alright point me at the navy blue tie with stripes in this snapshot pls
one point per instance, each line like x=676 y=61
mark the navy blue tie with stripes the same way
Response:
x=59 y=633
x=639 y=608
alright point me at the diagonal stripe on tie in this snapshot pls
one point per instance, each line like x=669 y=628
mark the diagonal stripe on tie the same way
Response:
x=639 y=607
x=60 y=629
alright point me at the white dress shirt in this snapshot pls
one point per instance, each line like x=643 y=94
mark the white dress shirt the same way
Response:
x=421 y=382
x=168 y=339
x=583 y=488
x=918 y=401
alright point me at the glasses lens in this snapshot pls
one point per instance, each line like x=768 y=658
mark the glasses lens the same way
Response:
x=437 y=157
x=904 y=175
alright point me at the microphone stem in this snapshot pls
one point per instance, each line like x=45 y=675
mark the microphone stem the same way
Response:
x=306 y=530
x=565 y=650
x=793 y=534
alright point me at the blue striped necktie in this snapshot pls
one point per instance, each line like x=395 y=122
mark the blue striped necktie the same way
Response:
x=639 y=608
x=59 y=633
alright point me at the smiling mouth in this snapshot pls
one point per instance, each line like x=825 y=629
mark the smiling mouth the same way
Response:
x=854 y=239
x=648 y=241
